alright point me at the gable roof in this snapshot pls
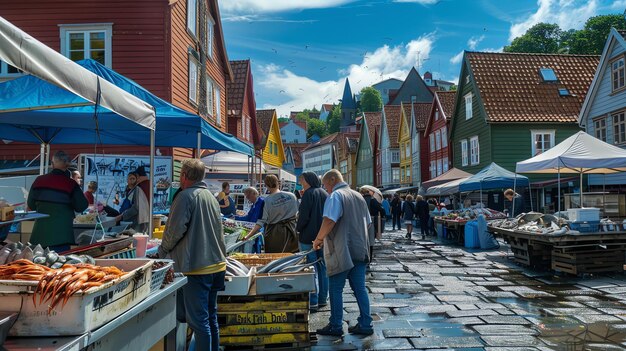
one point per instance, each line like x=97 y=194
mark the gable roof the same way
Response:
x=329 y=139
x=373 y=122
x=444 y=100
x=328 y=107
x=617 y=37
x=413 y=85
x=296 y=152
x=236 y=89
x=301 y=124
x=511 y=88
x=392 y=117
x=347 y=102
x=421 y=111
x=347 y=143
x=264 y=119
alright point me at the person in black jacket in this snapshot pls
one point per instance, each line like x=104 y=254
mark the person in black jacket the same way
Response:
x=377 y=212
x=396 y=211
x=422 y=212
x=308 y=225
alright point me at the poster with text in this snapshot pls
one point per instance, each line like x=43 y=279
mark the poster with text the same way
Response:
x=111 y=171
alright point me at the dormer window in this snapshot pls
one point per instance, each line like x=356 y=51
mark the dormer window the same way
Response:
x=564 y=92
x=548 y=75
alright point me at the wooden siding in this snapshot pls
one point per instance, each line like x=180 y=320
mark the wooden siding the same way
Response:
x=274 y=136
x=424 y=165
x=26 y=151
x=404 y=138
x=465 y=129
x=364 y=160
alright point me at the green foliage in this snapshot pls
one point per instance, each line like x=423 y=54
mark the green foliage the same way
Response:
x=315 y=126
x=550 y=39
x=333 y=121
x=371 y=100
x=453 y=87
x=283 y=120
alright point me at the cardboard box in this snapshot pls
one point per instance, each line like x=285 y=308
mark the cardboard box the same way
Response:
x=238 y=286
x=7 y=213
x=282 y=283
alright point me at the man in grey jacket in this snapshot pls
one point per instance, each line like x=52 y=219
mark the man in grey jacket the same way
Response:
x=194 y=239
x=344 y=235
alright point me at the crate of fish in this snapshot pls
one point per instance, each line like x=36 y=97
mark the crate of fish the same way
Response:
x=74 y=299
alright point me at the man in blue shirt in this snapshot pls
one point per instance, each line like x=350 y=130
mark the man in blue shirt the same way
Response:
x=255 y=212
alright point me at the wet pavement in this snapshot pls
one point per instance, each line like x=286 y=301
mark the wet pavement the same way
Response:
x=426 y=295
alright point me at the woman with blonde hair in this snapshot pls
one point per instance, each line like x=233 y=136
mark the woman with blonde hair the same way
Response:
x=408 y=213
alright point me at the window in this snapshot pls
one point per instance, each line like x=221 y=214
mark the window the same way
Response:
x=467 y=78
x=80 y=42
x=432 y=142
x=193 y=79
x=297 y=131
x=600 y=128
x=395 y=156
x=408 y=173
x=210 y=96
x=464 y=153
x=437 y=140
x=439 y=167
x=474 y=151
x=468 y=106
x=7 y=70
x=248 y=131
x=343 y=167
x=395 y=175
x=210 y=25
x=542 y=141
x=407 y=150
x=433 y=169
x=444 y=137
x=218 y=105
x=445 y=165
x=548 y=75
x=619 y=128
x=413 y=98
x=192 y=16
x=564 y=92
x=436 y=115
x=617 y=74
x=282 y=132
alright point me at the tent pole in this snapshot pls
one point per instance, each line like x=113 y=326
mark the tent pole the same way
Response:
x=47 y=158
x=530 y=194
x=514 y=193
x=198 y=148
x=42 y=156
x=581 y=188
x=151 y=190
x=558 y=187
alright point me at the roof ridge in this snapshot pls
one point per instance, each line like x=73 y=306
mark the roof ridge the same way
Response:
x=527 y=54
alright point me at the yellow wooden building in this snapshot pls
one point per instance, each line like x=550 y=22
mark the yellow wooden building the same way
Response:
x=273 y=151
x=404 y=142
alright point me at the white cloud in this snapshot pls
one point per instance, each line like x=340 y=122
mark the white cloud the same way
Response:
x=423 y=2
x=257 y=18
x=457 y=58
x=299 y=92
x=474 y=41
x=266 y=6
x=618 y=5
x=567 y=14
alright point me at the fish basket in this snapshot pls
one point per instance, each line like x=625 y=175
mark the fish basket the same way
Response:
x=253 y=260
x=158 y=275
x=126 y=253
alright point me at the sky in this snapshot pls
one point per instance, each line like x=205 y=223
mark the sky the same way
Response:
x=303 y=50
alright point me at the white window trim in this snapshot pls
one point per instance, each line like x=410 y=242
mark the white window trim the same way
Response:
x=444 y=137
x=4 y=71
x=469 y=105
x=437 y=140
x=218 y=106
x=210 y=35
x=464 y=153
x=476 y=160
x=623 y=68
x=107 y=28
x=432 y=142
x=194 y=30
x=210 y=97
x=193 y=60
x=533 y=133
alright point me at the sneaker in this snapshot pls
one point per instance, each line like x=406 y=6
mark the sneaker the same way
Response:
x=322 y=304
x=313 y=308
x=357 y=329
x=329 y=330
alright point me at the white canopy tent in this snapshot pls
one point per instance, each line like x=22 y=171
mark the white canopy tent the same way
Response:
x=448 y=188
x=581 y=153
x=229 y=162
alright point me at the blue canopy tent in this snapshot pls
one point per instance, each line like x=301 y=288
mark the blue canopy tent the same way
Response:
x=25 y=106
x=493 y=177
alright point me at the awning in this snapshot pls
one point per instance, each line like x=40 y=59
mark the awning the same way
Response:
x=400 y=190
x=448 y=188
x=450 y=175
x=553 y=182
x=493 y=177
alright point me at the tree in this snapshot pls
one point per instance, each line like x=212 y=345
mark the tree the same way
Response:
x=453 y=87
x=283 y=120
x=304 y=115
x=591 y=39
x=542 y=38
x=333 y=121
x=371 y=100
x=315 y=126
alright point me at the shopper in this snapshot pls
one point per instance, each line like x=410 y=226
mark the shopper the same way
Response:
x=143 y=180
x=227 y=203
x=376 y=213
x=514 y=203
x=256 y=211
x=135 y=208
x=194 y=239
x=92 y=187
x=396 y=212
x=279 y=219
x=77 y=176
x=408 y=214
x=59 y=196
x=422 y=212
x=345 y=240
x=308 y=225
x=387 y=207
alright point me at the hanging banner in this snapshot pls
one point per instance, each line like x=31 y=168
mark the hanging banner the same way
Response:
x=111 y=171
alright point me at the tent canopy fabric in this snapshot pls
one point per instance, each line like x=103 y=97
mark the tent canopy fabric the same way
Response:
x=228 y=162
x=449 y=188
x=492 y=177
x=400 y=190
x=452 y=174
x=580 y=153
x=30 y=55
x=174 y=126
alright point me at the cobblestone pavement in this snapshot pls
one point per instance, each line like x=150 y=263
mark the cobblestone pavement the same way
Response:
x=429 y=296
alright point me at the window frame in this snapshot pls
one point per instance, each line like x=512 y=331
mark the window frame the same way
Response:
x=4 y=71
x=464 y=153
x=444 y=137
x=613 y=116
x=192 y=59
x=210 y=35
x=469 y=106
x=85 y=28
x=192 y=31
x=621 y=58
x=543 y=132
x=433 y=170
x=472 y=153
x=395 y=159
x=437 y=140
x=218 y=106
x=603 y=128
x=431 y=140
x=446 y=166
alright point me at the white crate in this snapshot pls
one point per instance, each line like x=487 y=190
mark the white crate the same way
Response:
x=583 y=214
x=84 y=311
x=238 y=286
x=284 y=283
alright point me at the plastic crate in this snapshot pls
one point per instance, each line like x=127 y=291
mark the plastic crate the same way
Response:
x=260 y=259
x=585 y=227
x=159 y=274
x=587 y=214
x=126 y=253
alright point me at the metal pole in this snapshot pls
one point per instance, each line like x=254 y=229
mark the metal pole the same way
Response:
x=514 y=193
x=558 y=187
x=151 y=190
x=47 y=158
x=530 y=194
x=198 y=151
x=581 y=188
x=42 y=156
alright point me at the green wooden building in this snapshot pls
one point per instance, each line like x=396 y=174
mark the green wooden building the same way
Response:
x=366 y=153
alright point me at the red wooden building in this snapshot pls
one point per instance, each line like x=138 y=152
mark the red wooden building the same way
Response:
x=174 y=48
x=242 y=121
x=439 y=154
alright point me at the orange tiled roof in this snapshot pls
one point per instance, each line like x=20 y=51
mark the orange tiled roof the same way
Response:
x=296 y=152
x=422 y=111
x=264 y=119
x=325 y=140
x=446 y=99
x=301 y=124
x=373 y=122
x=392 y=115
x=236 y=89
x=512 y=90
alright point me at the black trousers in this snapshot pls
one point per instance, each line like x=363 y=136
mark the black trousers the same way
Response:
x=395 y=220
x=424 y=225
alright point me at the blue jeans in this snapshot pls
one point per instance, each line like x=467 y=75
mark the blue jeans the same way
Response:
x=321 y=279
x=356 y=278
x=196 y=305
